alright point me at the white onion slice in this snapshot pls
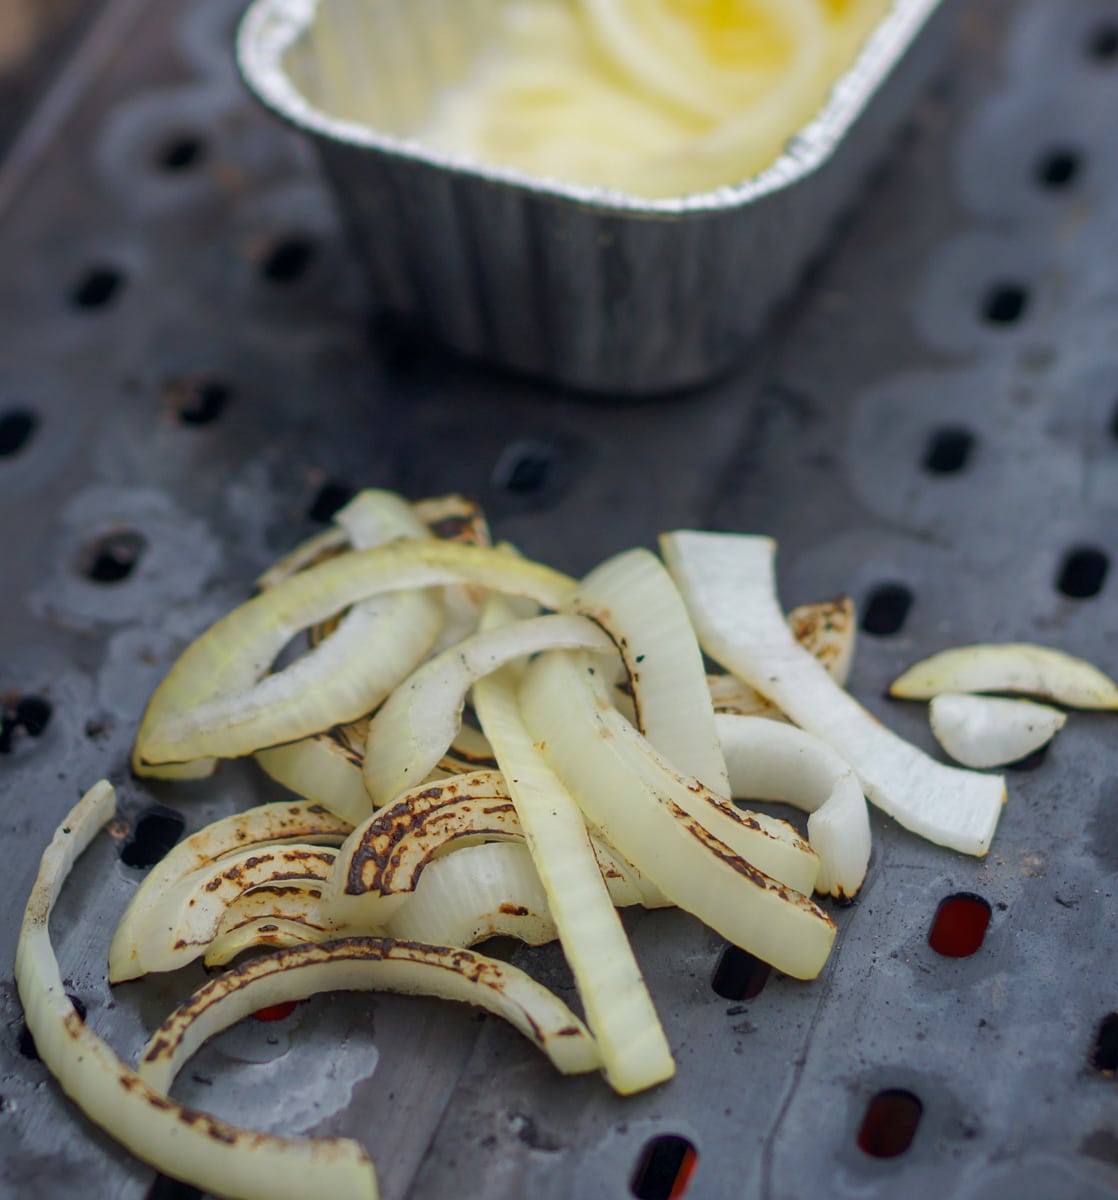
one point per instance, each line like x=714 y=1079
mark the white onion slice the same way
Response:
x=271 y=932
x=769 y=760
x=595 y=728
x=728 y=583
x=634 y=1050
x=367 y=963
x=324 y=768
x=188 y=1145
x=419 y=721
x=988 y=731
x=239 y=648
x=475 y=893
x=635 y=601
x=176 y=927
x=314 y=550
x=1010 y=667
x=693 y=868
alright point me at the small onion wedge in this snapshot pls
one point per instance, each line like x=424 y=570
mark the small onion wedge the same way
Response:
x=361 y=964
x=728 y=582
x=418 y=722
x=827 y=630
x=1010 y=667
x=198 y=1149
x=324 y=768
x=692 y=867
x=177 y=927
x=989 y=731
x=636 y=602
x=770 y=760
x=239 y=648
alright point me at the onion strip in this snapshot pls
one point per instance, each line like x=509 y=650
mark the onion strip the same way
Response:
x=729 y=585
x=360 y=964
x=194 y=1147
x=770 y=760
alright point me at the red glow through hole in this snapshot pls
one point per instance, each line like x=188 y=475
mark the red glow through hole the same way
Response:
x=890 y=1123
x=959 y=926
x=276 y=1012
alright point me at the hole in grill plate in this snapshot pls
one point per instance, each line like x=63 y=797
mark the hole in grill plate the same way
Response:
x=328 y=499
x=889 y=1123
x=739 y=975
x=197 y=399
x=1104 y=1053
x=1059 y=168
x=30 y=713
x=165 y=1188
x=17 y=428
x=664 y=1169
x=112 y=558
x=156 y=830
x=181 y=153
x=1102 y=44
x=524 y=468
x=288 y=260
x=959 y=926
x=1005 y=304
x=887 y=609
x=97 y=287
x=1083 y=573
x=948 y=450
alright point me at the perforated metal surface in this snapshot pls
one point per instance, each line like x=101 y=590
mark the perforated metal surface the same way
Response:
x=191 y=348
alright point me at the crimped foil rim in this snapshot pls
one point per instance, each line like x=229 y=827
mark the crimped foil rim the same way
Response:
x=270 y=27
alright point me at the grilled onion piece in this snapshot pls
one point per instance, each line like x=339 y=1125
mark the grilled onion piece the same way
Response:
x=988 y=731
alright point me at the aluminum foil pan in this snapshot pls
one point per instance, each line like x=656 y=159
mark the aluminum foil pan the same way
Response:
x=585 y=286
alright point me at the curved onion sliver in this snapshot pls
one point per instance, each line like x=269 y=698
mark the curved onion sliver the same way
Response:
x=199 y=1149
x=769 y=760
x=366 y=963
x=988 y=731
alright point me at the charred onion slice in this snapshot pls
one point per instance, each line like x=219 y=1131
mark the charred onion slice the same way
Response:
x=239 y=648
x=728 y=583
x=603 y=733
x=178 y=926
x=635 y=601
x=270 y=932
x=265 y=825
x=185 y=1144
x=325 y=768
x=729 y=695
x=634 y=1051
x=476 y=893
x=1011 y=667
x=827 y=630
x=692 y=867
x=419 y=721
x=773 y=761
x=361 y=964
x=987 y=731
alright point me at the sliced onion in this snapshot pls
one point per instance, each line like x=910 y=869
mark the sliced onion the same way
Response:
x=382 y=860
x=325 y=768
x=729 y=695
x=266 y=932
x=176 y=927
x=293 y=900
x=470 y=751
x=827 y=630
x=769 y=760
x=419 y=721
x=1012 y=667
x=728 y=583
x=367 y=963
x=634 y=599
x=475 y=893
x=238 y=649
x=315 y=549
x=265 y=825
x=693 y=868
x=986 y=731
x=634 y=1051
x=592 y=727
x=188 y=1145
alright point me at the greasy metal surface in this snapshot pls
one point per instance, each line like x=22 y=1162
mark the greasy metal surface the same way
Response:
x=820 y=442
x=580 y=285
